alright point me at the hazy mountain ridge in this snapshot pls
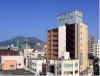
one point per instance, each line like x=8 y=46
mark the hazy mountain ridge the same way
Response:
x=22 y=40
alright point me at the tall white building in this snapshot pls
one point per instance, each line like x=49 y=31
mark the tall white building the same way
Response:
x=96 y=48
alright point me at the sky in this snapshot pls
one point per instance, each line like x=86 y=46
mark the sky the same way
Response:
x=32 y=18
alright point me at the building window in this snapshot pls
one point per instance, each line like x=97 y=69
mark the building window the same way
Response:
x=81 y=27
x=19 y=64
x=55 y=54
x=81 y=44
x=81 y=68
x=68 y=65
x=81 y=50
x=81 y=33
x=35 y=69
x=81 y=58
x=71 y=72
x=76 y=64
x=11 y=66
x=81 y=38
x=76 y=71
x=59 y=20
x=66 y=72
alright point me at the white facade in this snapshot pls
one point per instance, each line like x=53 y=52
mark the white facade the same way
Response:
x=37 y=65
x=36 y=54
x=28 y=52
x=61 y=40
x=97 y=49
x=14 y=48
x=19 y=60
x=65 y=66
x=69 y=18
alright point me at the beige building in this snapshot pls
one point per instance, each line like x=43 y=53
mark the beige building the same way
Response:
x=12 y=62
x=90 y=44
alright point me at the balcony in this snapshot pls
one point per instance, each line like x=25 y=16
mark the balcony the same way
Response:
x=49 y=38
x=55 y=43
x=55 y=38
x=49 y=56
x=49 y=34
x=53 y=52
x=55 y=48
x=55 y=33
x=54 y=57
x=48 y=47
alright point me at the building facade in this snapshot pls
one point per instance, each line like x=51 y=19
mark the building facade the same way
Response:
x=52 y=44
x=12 y=62
x=90 y=44
x=63 y=66
x=71 y=36
x=28 y=53
x=96 y=49
x=35 y=65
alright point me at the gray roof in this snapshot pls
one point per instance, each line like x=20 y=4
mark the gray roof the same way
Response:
x=16 y=72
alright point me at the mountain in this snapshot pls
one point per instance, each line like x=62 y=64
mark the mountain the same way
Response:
x=22 y=41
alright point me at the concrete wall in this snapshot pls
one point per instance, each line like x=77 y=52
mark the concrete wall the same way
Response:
x=37 y=64
x=67 y=69
x=8 y=63
x=69 y=18
x=81 y=45
x=96 y=48
x=27 y=52
x=19 y=61
x=61 y=40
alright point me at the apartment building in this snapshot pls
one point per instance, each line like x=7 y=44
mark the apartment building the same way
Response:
x=71 y=35
x=12 y=62
x=90 y=44
x=96 y=49
x=52 y=44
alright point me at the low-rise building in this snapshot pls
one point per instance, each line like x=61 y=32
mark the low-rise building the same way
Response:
x=28 y=53
x=64 y=66
x=12 y=62
x=97 y=49
x=37 y=54
x=35 y=64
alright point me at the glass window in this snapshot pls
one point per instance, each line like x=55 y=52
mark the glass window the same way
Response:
x=76 y=71
x=11 y=66
x=76 y=64
x=81 y=58
x=68 y=65
x=71 y=72
x=66 y=72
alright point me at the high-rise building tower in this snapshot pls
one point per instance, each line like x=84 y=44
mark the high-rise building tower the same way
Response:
x=90 y=44
x=71 y=36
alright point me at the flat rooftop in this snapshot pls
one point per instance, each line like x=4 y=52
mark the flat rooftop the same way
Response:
x=16 y=72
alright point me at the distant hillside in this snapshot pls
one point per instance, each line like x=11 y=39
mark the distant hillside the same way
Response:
x=22 y=41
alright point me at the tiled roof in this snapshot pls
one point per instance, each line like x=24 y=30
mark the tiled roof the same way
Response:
x=8 y=52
